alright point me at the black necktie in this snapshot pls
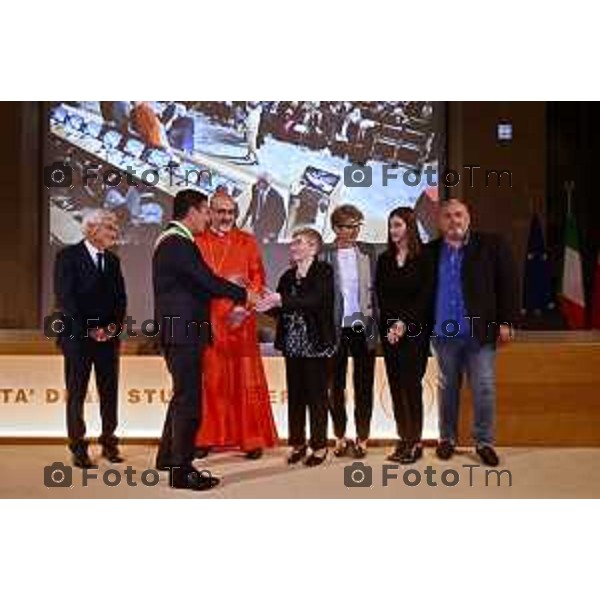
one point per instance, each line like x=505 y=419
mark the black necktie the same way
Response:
x=261 y=202
x=100 y=256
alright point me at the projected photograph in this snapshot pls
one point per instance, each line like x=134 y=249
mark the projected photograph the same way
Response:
x=307 y=157
x=295 y=146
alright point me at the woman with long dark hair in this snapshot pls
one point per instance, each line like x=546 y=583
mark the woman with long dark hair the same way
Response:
x=403 y=283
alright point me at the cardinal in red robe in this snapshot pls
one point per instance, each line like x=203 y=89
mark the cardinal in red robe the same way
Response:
x=236 y=411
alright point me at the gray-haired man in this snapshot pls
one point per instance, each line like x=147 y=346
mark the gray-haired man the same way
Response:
x=90 y=294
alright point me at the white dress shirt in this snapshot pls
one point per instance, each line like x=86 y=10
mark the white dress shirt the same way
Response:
x=94 y=252
x=348 y=269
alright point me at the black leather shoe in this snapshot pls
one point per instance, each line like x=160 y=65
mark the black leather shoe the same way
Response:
x=254 y=454
x=445 y=450
x=163 y=465
x=190 y=479
x=396 y=455
x=296 y=455
x=82 y=460
x=412 y=453
x=488 y=456
x=201 y=452
x=164 y=462
x=314 y=459
x=112 y=455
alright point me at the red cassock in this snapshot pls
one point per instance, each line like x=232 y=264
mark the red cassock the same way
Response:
x=236 y=405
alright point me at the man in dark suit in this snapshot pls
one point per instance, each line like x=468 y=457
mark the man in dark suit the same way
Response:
x=266 y=213
x=472 y=310
x=183 y=288
x=90 y=294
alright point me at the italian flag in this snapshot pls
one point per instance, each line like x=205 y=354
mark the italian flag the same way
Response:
x=596 y=300
x=571 y=296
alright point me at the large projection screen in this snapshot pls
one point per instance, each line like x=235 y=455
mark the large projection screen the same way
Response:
x=133 y=157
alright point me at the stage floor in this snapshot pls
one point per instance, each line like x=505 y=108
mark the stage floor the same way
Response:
x=535 y=472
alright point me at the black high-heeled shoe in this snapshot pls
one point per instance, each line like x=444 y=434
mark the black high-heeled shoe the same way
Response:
x=316 y=458
x=342 y=448
x=296 y=455
x=359 y=449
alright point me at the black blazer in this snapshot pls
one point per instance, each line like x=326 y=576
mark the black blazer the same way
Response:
x=85 y=297
x=404 y=293
x=313 y=298
x=183 y=287
x=489 y=283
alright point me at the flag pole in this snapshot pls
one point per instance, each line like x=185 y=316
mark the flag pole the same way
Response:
x=569 y=187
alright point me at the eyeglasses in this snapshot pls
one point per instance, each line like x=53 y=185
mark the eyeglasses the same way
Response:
x=226 y=211
x=349 y=225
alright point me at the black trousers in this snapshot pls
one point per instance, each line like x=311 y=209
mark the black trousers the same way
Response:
x=353 y=343
x=405 y=365
x=307 y=388
x=79 y=359
x=184 y=413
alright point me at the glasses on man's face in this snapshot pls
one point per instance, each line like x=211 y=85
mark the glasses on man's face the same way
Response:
x=223 y=212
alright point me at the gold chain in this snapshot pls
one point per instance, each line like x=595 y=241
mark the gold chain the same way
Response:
x=217 y=267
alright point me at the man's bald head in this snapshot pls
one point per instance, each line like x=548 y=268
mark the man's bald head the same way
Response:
x=454 y=219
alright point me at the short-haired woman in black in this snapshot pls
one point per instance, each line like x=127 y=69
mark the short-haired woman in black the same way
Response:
x=306 y=337
x=403 y=282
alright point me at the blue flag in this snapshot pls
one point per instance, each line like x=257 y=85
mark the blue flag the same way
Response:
x=537 y=285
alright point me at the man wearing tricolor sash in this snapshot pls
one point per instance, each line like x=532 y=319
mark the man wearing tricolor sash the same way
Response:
x=183 y=288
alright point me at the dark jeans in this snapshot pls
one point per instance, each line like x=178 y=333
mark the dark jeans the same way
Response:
x=353 y=343
x=307 y=388
x=79 y=359
x=405 y=365
x=184 y=414
x=455 y=357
